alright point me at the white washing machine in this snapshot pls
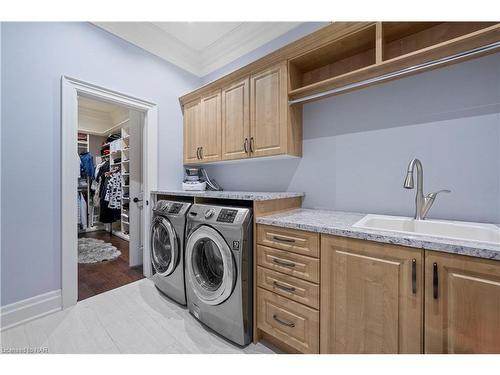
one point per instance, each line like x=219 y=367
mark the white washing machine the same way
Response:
x=219 y=269
x=167 y=248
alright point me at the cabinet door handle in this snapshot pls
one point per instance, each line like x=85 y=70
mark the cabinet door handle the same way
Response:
x=198 y=153
x=435 y=281
x=284 y=287
x=245 y=145
x=283 y=263
x=283 y=322
x=252 y=145
x=201 y=152
x=283 y=239
x=414 y=276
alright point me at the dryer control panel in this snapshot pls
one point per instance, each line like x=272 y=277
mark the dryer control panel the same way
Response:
x=175 y=208
x=226 y=216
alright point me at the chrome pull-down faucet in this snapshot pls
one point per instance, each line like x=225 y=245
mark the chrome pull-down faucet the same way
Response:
x=422 y=203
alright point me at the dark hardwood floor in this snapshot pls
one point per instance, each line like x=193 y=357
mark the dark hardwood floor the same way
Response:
x=100 y=277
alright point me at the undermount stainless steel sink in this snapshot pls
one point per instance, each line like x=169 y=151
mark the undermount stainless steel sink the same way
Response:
x=455 y=230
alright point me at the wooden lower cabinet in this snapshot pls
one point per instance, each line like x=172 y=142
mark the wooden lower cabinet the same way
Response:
x=462 y=304
x=291 y=287
x=288 y=263
x=296 y=241
x=371 y=297
x=290 y=322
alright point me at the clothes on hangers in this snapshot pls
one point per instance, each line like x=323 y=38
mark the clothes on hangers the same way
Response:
x=100 y=175
x=113 y=191
x=98 y=167
x=109 y=201
x=82 y=209
x=86 y=165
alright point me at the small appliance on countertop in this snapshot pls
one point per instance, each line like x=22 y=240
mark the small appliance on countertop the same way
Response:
x=196 y=179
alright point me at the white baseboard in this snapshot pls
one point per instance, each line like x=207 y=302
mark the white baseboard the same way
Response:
x=28 y=309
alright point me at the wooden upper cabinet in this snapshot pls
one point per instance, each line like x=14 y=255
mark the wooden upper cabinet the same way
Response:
x=249 y=117
x=236 y=121
x=210 y=127
x=371 y=297
x=268 y=112
x=462 y=304
x=192 y=136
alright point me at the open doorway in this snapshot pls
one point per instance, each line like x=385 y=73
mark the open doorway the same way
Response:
x=128 y=144
x=109 y=224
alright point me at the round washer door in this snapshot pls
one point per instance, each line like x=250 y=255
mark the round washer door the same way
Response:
x=164 y=248
x=211 y=270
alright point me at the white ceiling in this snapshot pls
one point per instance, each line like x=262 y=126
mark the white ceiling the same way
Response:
x=99 y=117
x=98 y=105
x=198 y=35
x=198 y=47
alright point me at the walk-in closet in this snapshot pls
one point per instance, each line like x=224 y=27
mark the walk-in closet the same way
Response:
x=109 y=151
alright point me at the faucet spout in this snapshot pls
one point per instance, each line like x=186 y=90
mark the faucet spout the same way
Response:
x=409 y=184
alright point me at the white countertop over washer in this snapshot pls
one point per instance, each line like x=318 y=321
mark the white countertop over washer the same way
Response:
x=238 y=195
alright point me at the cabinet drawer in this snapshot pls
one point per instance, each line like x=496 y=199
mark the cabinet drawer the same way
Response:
x=288 y=286
x=297 y=241
x=300 y=266
x=294 y=324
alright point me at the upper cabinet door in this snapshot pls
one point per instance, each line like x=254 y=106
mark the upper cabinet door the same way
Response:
x=371 y=297
x=192 y=131
x=210 y=131
x=462 y=304
x=236 y=121
x=268 y=112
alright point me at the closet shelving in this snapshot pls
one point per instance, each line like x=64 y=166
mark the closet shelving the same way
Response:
x=121 y=151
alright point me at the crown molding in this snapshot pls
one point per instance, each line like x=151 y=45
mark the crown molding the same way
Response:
x=240 y=41
x=156 y=41
x=244 y=39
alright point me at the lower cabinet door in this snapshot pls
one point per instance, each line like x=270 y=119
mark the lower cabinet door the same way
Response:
x=371 y=297
x=462 y=304
x=290 y=322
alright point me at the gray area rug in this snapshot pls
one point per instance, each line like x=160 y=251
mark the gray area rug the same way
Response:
x=91 y=250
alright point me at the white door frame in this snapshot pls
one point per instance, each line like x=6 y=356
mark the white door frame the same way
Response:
x=71 y=88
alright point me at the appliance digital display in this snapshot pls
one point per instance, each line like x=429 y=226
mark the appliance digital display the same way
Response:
x=227 y=216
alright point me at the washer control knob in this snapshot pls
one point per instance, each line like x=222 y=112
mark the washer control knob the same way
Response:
x=209 y=213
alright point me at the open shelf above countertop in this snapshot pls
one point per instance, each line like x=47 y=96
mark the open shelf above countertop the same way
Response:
x=339 y=65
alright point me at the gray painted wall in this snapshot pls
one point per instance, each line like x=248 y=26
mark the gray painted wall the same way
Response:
x=35 y=56
x=357 y=147
x=0 y=160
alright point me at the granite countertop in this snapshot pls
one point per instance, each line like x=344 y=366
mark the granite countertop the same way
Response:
x=238 y=195
x=340 y=224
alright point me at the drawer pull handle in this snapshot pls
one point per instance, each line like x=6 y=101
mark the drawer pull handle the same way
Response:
x=284 y=264
x=283 y=239
x=414 y=276
x=283 y=322
x=284 y=287
x=435 y=281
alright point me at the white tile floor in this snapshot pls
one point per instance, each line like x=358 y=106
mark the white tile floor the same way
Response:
x=135 y=318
